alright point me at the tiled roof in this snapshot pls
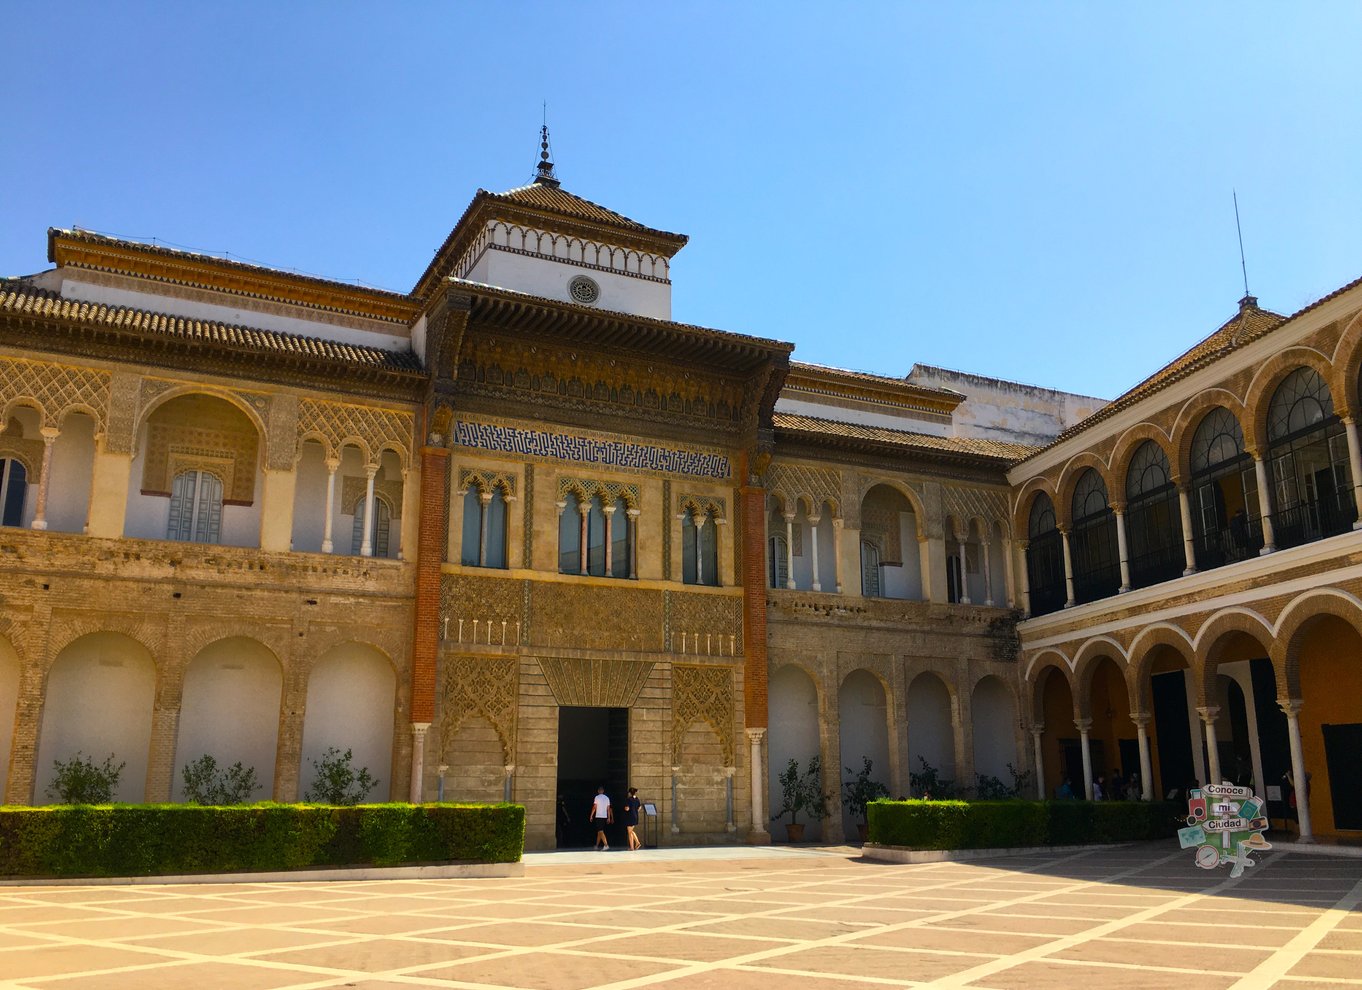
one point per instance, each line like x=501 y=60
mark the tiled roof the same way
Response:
x=20 y=299
x=959 y=446
x=542 y=196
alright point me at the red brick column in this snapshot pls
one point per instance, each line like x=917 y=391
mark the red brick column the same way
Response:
x=430 y=555
x=752 y=567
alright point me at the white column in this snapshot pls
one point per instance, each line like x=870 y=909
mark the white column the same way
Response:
x=1299 y=777
x=813 y=540
x=964 y=576
x=1141 y=721
x=633 y=542
x=1036 y=732
x=789 y=551
x=1025 y=578
x=837 y=552
x=332 y=463
x=1267 y=505
x=754 y=739
x=366 y=547
x=49 y=435
x=418 y=761
x=1208 y=717
x=1355 y=465
x=1121 y=548
x=584 y=510
x=988 y=575
x=1188 y=535
x=1068 y=572
x=1009 y=582
x=1083 y=725
x=609 y=511
x=484 y=504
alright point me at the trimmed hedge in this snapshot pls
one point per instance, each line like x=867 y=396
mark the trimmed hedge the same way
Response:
x=1007 y=824
x=156 y=839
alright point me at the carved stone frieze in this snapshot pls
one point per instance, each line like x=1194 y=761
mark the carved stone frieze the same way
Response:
x=56 y=389
x=124 y=388
x=595 y=683
x=609 y=491
x=487 y=482
x=815 y=486
x=487 y=599
x=596 y=616
x=476 y=686
x=703 y=694
x=371 y=428
x=964 y=505
x=621 y=455
x=700 y=615
x=702 y=505
x=528 y=510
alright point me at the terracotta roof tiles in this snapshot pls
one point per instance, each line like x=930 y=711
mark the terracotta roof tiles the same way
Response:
x=961 y=446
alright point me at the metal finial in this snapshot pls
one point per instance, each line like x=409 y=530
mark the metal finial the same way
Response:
x=543 y=173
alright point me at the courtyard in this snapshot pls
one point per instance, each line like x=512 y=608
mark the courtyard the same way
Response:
x=797 y=918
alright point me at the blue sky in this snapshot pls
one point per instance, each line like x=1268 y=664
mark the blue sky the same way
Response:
x=1038 y=192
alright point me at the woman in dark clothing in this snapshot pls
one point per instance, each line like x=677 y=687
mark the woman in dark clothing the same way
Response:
x=632 y=806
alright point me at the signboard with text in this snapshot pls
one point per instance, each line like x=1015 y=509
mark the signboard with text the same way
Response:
x=1225 y=824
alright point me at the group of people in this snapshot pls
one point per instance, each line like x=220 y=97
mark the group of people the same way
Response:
x=1119 y=788
x=602 y=815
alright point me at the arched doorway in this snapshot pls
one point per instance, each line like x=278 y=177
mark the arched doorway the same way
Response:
x=863 y=733
x=794 y=715
x=351 y=705
x=931 y=735
x=1062 y=757
x=1113 y=744
x=994 y=716
x=1329 y=668
x=891 y=556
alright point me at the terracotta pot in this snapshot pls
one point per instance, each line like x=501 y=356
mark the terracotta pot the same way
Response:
x=795 y=833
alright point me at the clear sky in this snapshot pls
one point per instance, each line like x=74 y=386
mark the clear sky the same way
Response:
x=1035 y=191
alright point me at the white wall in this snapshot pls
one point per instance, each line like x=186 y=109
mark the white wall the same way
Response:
x=993 y=715
x=148 y=515
x=905 y=582
x=309 y=499
x=68 y=490
x=351 y=701
x=905 y=419
x=549 y=277
x=99 y=700
x=997 y=409
x=793 y=702
x=864 y=732
x=230 y=710
x=930 y=735
x=9 y=700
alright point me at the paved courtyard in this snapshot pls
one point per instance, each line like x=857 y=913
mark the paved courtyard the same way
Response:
x=1137 y=917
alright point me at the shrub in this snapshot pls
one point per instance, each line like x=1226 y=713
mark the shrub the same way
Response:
x=803 y=791
x=1009 y=823
x=859 y=792
x=337 y=781
x=206 y=783
x=927 y=783
x=81 y=781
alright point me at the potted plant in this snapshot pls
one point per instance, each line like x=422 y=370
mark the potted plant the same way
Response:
x=859 y=792
x=802 y=792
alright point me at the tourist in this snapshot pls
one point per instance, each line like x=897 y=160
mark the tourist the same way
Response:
x=632 y=806
x=602 y=814
x=1098 y=793
x=1065 y=790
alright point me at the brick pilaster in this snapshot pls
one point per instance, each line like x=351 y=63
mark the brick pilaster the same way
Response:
x=752 y=501
x=430 y=555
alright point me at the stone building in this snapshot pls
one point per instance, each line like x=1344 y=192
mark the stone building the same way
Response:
x=517 y=532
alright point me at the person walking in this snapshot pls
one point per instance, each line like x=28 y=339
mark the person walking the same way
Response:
x=632 y=806
x=602 y=814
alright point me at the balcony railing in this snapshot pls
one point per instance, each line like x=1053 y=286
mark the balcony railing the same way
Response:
x=1306 y=522
x=1157 y=565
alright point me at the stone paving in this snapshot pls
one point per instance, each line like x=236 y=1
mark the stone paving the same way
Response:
x=796 y=919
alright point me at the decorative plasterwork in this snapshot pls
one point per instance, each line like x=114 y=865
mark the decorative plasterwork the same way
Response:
x=701 y=505
x=353 y=489
x=371 y=428
x=486 y=482
x=27 y=452
x=595 y=683
x=479 y=686
x=609 y=491
x=814 y=485
x=589 y=450
x=55 y=389
x=965 y=504
x=499 y=235
x=703 y=694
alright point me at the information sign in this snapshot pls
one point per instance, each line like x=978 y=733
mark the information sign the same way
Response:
x=1225 y=824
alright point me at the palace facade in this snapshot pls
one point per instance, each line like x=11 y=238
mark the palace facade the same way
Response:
x=517 y=532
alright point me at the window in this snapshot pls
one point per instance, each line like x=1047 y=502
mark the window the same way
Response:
x=955 y=590
x=779 y=562
x=13 y=490
x=484 y=529
x=195 y=508
x=699 y=549
x=582 y=538
x=382 y=519
x=1225 y=522
x=1096 y=566
x=870 y=569
x=1308 y=454
x=1044 y=558
x=1153 y=518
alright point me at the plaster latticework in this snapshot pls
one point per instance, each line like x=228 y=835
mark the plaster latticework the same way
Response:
x=486 y=599
x=487 y=482
x=595 y=683
x=353 y=489
x=703 y=694
x=711 y=622
x=335 y=424
x=56 y=389
x=699 y=506
x=816 y=486
x=609 y=492
x=479 y=686
x=964 y=504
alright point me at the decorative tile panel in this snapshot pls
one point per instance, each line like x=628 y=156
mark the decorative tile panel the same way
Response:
x=479 y=686
x=56 y=389
x=703 y=694
x=588 y=450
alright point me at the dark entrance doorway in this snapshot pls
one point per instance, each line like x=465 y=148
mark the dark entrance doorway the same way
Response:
x=1341 y=746
x=593 y=749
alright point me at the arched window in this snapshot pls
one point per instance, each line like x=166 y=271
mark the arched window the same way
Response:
x=1096 y=564
x=699 y=549
x=955 y=581
x=1153 y=518
x=195 y=508
x=1225 y=522
x=381 y=524
x=620 y=544
x=483 y=542
x=1044 y=558
x=13 y=490
x=1308 y=450
x=582 y=538
x=870 y=569
x=570 y=537
x=778 y=562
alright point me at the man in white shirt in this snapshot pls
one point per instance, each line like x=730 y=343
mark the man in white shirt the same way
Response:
x=602 y=814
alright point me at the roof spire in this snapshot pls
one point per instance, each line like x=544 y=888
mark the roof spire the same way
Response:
x=543 y=172
x=1249 y=299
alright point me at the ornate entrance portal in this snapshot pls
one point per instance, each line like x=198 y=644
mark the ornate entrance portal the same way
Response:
x=593 y=750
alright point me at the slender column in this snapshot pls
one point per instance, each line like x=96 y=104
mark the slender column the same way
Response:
x=609 y=511
x=1208 y=716
x=837 y=523
x=418 y=761
x=813 y=542
x=49 y=435
x=755 y=737
x=584 y=510
x=1036 y=732
x=366 y=547
x=988 y=574
x=789 y=551
x=1068 y=570
x=1083 y=725
x=332 y=463
x=1355 y=465
x=728 y=799
x=1009 y=582
x=1122 y=551
x=964 y=576
x=1141 y=720
x=484 y=505
x=1299 y=777
x=1267 y=505
x=633 y=542
x=1188 y=535
x=1025 y=578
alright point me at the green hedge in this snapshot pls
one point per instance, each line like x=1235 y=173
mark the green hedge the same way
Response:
x=1006 y=824
x=157 y=839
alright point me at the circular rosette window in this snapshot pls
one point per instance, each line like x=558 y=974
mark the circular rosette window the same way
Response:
x=584 y=290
